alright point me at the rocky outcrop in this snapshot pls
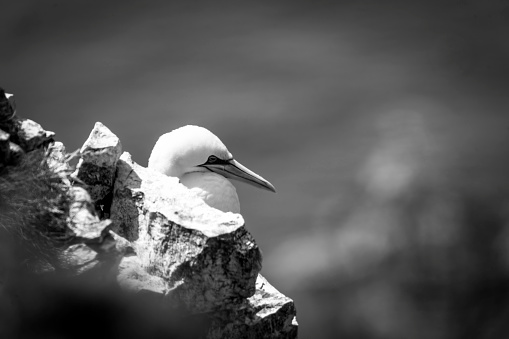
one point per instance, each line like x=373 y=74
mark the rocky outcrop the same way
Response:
x=153 y=236
x=206 y=257
x=194 y=256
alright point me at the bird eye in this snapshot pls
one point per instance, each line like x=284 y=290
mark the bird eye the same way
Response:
x=212 y=159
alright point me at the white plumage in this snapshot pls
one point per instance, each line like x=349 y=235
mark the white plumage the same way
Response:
x=202 y=163
x=214 y=189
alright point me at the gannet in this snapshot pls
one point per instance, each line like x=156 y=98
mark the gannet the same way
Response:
x=202 y=163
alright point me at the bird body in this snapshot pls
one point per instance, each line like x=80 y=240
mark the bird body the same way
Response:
x=214 y=189
x=203 y=163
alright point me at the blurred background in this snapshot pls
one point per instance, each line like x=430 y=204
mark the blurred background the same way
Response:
x=383 y=125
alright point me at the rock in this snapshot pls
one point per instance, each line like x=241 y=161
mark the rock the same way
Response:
x=57 y=161
x=122 y=245
x=56 y=157
x=94 y=249
x=267 y=314
x=25 y=135
x=162 y=240
x=83 y=221
x=132 y=276
x=97 y=165
x=190 y=254
x=31 y=135
x=206 y=257
x=81 y=258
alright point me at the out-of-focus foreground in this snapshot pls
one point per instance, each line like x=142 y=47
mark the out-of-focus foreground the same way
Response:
x=383 y=126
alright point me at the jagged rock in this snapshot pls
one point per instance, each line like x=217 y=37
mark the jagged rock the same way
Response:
x=267 y=314
x=275 y=313
x=96 y=167
x=83 y=221
x=57 y=161
x=205 y=256
x=163 y=240
x=24 y=135
x=189 y=253
x=93 y=248
x=56 y=157
x=31 y=135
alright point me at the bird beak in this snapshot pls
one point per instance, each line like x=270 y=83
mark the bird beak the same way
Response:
x=234 y=170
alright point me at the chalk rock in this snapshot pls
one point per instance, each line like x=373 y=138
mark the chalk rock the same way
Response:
x=267 y=314
x=97 y=165
x=206 y=257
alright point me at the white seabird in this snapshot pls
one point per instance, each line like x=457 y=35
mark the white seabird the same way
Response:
x=202 y=163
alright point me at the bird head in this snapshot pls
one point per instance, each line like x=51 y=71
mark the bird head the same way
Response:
x=195 y=149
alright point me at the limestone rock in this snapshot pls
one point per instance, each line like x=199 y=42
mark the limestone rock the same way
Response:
x=96 y=167
x=206 y=257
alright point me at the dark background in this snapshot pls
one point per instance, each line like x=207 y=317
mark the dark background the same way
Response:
x=383 y=125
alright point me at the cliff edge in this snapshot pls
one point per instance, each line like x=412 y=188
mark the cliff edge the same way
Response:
x=124 y=228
